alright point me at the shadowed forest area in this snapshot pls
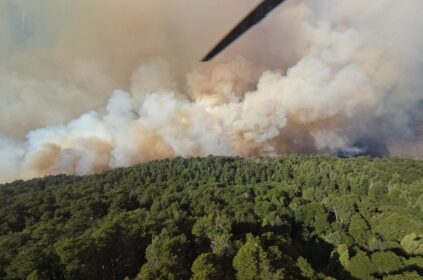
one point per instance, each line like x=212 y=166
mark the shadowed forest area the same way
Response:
x=291 y=217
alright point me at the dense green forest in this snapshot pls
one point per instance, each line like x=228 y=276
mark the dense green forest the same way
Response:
x=291 y=217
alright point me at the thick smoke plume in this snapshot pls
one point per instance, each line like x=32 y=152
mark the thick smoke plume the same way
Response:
x=91 y=85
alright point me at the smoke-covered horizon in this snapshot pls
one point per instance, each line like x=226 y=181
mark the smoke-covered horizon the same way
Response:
x=87 y=86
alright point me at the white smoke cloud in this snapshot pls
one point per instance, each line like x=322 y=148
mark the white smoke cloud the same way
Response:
x=318 y=76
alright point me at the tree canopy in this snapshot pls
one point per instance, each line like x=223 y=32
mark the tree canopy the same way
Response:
x=290 y=217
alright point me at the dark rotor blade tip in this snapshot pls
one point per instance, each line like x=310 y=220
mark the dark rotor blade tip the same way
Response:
x=254 y=17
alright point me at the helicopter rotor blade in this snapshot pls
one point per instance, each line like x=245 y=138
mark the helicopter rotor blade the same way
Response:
x=254 y=17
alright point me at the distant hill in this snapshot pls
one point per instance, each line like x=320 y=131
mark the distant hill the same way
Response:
x=291 y=217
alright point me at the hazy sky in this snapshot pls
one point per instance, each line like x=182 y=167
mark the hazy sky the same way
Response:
x=91 y=85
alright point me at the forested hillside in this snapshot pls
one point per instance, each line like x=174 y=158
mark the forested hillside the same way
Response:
x=292 y=217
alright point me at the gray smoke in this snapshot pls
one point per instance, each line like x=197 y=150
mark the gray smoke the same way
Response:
x=315 y=76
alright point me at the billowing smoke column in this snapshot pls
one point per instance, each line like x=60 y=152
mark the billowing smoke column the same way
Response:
x=316 y=76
